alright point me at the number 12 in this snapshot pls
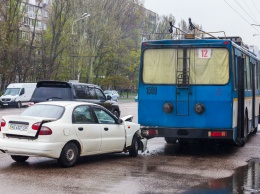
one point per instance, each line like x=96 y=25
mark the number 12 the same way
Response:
x=204 y=53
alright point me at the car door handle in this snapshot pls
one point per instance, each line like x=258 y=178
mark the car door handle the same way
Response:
x=80 y=128
x=106 y=129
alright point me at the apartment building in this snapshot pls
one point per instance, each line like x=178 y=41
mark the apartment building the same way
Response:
x=35 y=17
x=149 y=23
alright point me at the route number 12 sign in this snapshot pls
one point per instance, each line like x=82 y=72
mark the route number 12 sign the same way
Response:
x=204 y=53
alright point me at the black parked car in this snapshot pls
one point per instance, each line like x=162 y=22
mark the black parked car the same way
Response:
x=57 y=90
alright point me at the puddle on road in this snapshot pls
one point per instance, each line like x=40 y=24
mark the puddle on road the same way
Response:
x=246 y=179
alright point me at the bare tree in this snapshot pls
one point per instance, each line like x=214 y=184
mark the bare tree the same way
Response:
x=55 y=42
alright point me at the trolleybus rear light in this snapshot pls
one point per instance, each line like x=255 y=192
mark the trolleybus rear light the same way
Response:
x=150 y=132
x=217 y=134
x=226 y=42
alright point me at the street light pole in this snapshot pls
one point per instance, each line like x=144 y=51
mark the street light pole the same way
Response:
x=72 y=43
x=256 y=34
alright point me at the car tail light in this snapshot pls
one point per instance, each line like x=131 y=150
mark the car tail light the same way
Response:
x=3 y=123
x=44 y=130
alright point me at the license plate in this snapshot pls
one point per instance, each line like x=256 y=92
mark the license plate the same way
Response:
x=18 y=127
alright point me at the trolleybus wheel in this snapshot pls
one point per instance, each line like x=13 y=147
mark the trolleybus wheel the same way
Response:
x=255 y=130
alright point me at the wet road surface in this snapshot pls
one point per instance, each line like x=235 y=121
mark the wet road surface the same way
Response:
x=163 y=168
x=246 y=179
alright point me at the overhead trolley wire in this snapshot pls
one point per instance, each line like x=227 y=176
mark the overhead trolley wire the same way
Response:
x=250 y=11
x=241 y=15
x=245 y=11
x=255 y=7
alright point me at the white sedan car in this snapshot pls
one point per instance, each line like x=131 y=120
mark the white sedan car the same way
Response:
x=66 y=130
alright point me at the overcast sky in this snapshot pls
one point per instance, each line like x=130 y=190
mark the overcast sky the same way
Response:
x=232 y=16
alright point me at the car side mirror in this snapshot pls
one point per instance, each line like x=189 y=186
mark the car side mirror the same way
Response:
x=119 y=121
x=109 y=97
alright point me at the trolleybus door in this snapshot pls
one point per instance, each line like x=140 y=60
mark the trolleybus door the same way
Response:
x=241 y=99
x=253 y=94
x=183 y=82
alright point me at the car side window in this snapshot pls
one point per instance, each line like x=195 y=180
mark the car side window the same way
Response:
x=100 y=94
x=82 y=115
x=91 y=94
x=80 y=92
x=103 y=117
x=22 y=91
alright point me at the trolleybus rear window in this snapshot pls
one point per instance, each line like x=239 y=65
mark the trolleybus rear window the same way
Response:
x=201 y=66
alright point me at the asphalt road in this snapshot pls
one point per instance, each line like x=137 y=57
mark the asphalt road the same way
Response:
x=162 y=168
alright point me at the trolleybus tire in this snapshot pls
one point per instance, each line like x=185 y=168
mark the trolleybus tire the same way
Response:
x=255 y=130
x=242 y=140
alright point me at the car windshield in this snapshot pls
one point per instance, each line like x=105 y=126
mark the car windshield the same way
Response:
x=43 y=110
x=12 y=91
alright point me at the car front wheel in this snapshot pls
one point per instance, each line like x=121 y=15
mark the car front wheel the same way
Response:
x=133 y=152
x=69 y=155
x=19 y=105
x=20 y=159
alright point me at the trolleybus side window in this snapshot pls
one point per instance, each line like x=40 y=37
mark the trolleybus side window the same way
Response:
x=245 y=75
x=258 y=74
x=248 y=74
x=234 y=66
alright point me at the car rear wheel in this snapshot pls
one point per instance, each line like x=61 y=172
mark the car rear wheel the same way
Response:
x=133 y=152
x=20 y=159
x=69 y=155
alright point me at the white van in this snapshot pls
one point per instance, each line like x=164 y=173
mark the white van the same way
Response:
x=17 y=94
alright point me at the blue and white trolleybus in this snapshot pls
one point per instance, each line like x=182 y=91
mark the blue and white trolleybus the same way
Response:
x=205 y=88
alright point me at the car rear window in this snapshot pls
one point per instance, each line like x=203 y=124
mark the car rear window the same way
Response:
x=44 y=110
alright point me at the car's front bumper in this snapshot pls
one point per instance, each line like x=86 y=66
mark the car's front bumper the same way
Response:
x=9 y=103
